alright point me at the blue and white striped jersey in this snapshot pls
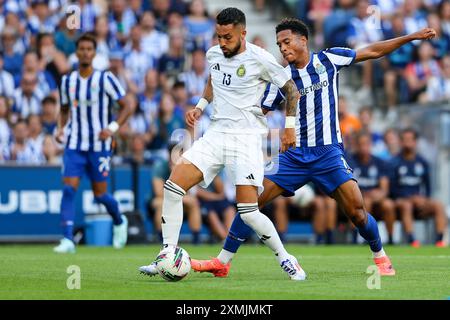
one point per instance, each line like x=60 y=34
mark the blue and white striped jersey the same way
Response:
x=317 y=122
x=90 y=101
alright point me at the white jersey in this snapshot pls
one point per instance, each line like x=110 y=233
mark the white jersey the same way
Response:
x=238 y=85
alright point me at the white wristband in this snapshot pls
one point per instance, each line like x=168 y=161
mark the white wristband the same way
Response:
x=202 y=104
x=290 y=122
x=113 y=127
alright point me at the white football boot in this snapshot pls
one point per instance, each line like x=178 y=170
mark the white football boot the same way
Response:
x=150 y=270
x=120 y=234
x=65 y=246
x=293 y=269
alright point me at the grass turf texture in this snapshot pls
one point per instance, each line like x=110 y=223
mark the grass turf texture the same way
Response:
x=335 y=272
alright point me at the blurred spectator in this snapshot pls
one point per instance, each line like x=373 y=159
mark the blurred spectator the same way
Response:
x=136 y=60
x=181 y=97
x=137 y=7
x=366 y=119
x=191 y=206
x=65 y=37
x=411 y=188
x=12 y=60
x=438 y=88
x=218 y=210
x=176 y=21
x=420 y=72
x=319 y=10
x=441 y=42
x=124 y=76
x=139 y=123
x=415 y=18
x=171 y=64
x=28 y=97
x=336 y=25
x=392 y=142
x=20 y=150
x=45 y=82
x=41 y=20
x=348 y=122
x=6 y=82
x=49 y=116
x=373 y=174
x=35 y=134
x=361 y=29
x=5 y=131
x=154 y=42
x=167 y=122
x=199 y=26
x=55 y=62
x=195 y=79
x=90 y=11
x=444 y=11
x=151 y=97
x=259 y=41
x=121 y=20
x=394 y=83
x=161 y=8
x=51 y=151
x=14 y=22
x=138 y=153
x=101 y=33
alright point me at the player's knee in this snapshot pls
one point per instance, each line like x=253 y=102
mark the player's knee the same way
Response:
x=358 y=214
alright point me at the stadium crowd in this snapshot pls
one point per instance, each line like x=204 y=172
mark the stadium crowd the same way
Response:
x=156 y=48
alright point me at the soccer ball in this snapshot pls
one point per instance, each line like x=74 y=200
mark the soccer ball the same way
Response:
x=303 y=196
x=173 y=265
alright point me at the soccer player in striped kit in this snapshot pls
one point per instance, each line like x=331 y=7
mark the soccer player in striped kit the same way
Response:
x=319 y=155
x=86 y=100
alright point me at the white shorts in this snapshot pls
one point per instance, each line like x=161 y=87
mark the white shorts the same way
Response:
x=240 y=154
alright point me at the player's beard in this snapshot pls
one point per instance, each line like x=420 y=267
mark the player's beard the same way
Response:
x=234 y=52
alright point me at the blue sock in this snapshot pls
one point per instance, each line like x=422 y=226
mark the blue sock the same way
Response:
x=68 y=211
x=329 y=235
x=370 y=233
x=195 y=237
x=239 y=232
x=354 y=236
x=319 y=238
x=112 y=206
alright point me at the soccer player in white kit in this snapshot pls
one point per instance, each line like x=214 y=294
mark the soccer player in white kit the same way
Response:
x=239 y=73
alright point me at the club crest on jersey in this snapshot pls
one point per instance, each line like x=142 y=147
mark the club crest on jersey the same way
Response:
x=320 y=68
x=241 y=71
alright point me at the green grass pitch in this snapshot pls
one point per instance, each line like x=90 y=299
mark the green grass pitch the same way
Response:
x=334 y=272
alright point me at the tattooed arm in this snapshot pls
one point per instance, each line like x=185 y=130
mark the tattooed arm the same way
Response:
x=288 y=139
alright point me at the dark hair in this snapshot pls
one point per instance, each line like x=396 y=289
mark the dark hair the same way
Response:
x=410 y=130
x=362 y=134
x=231 y=16
x=49 y=99
x=295 y=25
x=87 y=37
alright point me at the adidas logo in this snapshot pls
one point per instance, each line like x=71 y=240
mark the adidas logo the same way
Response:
x=251 y=177
x=216 y=67
x=264 y=237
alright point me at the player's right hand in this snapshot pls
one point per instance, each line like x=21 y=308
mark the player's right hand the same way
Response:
x=192 y=116
x=288 y=139
x=424 y=34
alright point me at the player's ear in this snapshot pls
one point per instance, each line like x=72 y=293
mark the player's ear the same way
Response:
x=243 y=32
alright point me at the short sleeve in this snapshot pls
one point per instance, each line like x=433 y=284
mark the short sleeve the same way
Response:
x=340 y=57
x=272 y=98
x=273 y=71
x=113 y=87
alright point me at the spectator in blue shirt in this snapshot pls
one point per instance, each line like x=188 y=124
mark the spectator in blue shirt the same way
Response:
x=411 y=188
x=12 y=60
x=199 y=26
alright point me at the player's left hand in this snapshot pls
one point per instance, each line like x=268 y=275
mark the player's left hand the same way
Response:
x=424 y=34
x=288 y=139
x=105 y=134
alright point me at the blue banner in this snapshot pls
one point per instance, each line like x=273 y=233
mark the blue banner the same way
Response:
x=30 y=200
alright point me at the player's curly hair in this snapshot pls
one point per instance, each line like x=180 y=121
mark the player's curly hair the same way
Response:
x=295 y=25
x=88 y=36
x=231 y=16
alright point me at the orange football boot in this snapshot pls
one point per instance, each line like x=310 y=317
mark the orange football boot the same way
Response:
x=214 y=266
x=415 y=244
x=384 y=266
x=440 y=244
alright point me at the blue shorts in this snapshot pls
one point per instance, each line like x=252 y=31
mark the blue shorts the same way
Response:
x=95 y=164
x=325 y=166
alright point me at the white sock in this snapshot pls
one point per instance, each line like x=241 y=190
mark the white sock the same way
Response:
x=172 y=213
x=379 y=254
x=225 y=256
x=265 y=229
